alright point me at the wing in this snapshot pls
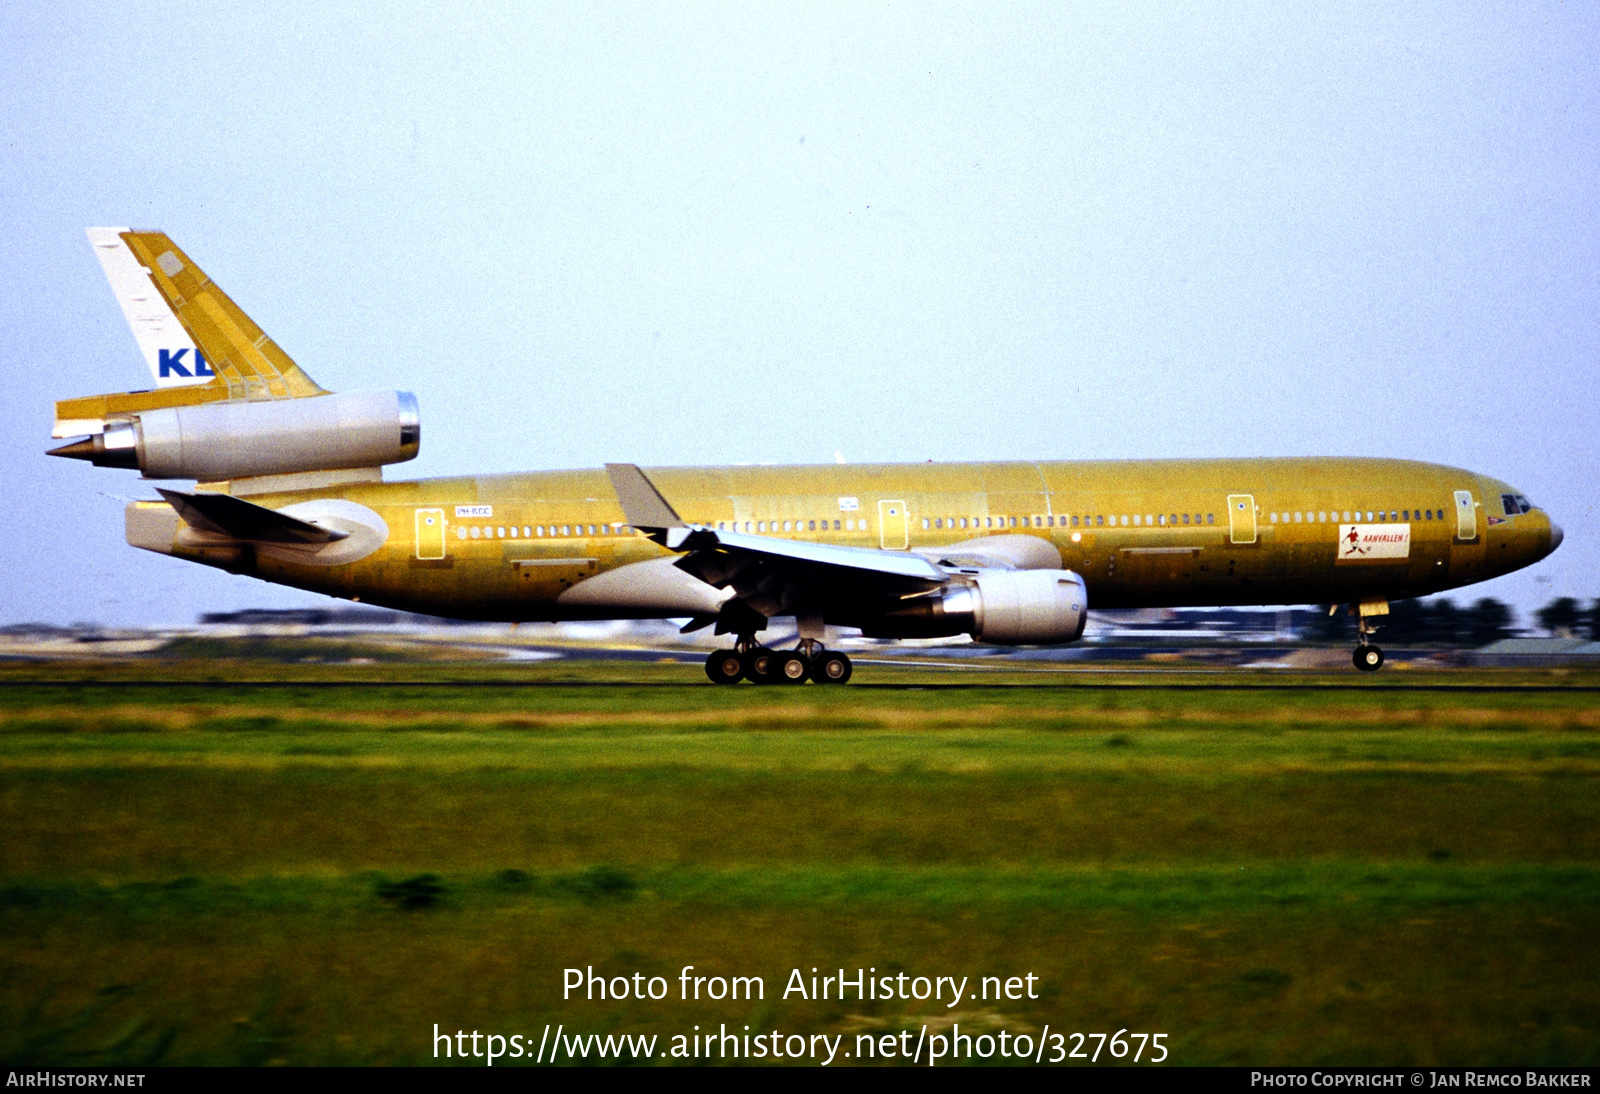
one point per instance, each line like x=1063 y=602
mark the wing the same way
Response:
x=771 y=576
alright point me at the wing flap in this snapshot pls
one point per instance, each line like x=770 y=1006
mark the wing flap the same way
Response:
x=894 y=564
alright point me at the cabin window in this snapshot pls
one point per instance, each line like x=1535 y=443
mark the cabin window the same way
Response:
x=1162 y=520
x=513 y=531
x=1211 y=518
x=850 y=525
x=788 y=526
x=461 y=531
x=926 y=523
x=1013 y=522
x=476 y=531
x=811 y=526
x=1274 y=518
x=864 y=526
x=1135 y=520
x=1369 y=516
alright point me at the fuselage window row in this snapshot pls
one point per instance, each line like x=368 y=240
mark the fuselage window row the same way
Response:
x=1167 y=520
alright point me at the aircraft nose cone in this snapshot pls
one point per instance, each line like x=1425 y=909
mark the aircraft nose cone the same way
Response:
x=1556 y=535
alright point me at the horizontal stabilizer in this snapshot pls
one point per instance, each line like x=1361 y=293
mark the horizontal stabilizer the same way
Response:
x=223 y=514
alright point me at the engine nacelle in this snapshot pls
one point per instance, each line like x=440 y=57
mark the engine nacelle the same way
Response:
x=1006 y=607
x=236 y=439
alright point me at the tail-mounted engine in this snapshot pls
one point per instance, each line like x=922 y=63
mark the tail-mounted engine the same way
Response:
x=234 y=439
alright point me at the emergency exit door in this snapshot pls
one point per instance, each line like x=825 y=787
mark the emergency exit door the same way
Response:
x=892 y=525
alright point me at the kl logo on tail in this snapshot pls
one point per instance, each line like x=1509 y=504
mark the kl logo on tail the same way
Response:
x=171 y=363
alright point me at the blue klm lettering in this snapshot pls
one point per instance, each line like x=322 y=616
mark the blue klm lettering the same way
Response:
x=171 y=363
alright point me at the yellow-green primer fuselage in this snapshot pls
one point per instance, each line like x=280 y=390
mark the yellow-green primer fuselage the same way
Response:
x=1141 y=533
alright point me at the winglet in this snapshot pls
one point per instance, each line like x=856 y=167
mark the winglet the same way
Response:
x=642 y=503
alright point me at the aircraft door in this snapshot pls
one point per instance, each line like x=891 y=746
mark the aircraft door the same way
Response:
x=1241 y=518
x=892 y=525
x=430 y=533
x=1466 y=516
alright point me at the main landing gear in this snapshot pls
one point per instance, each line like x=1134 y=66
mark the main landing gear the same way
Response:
x=759 y=665
x=1367 y=657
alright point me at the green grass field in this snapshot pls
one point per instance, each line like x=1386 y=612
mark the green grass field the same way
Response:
x=218 y=862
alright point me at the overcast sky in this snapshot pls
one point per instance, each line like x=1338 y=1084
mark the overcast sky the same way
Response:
x=684 y=234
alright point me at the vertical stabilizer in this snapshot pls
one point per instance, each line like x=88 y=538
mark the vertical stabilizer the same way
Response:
x=247 y=363
x=199 y=346
x=173 y=358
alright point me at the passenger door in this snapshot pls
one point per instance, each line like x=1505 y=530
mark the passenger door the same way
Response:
x=1241 y=518
x=892 y=525
x=430 y=533
x=1466 y=516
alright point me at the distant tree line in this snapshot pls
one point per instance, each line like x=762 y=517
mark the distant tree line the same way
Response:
x=1444 y=623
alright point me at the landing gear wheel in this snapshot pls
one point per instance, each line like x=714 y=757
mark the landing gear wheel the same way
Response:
x=725 y=667
x=830 y=667
x=758 y=664
x=788 y=668
x=1368 y=658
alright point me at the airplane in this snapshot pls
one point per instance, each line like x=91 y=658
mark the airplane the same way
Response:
x=289 y=488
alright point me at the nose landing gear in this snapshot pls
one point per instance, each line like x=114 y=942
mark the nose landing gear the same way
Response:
x=759 y=665
x=1367 y=657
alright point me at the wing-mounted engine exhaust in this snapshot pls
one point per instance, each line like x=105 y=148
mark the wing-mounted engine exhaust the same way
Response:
x=1005 y=607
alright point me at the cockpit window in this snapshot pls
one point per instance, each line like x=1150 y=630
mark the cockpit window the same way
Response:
x=1514 y=504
